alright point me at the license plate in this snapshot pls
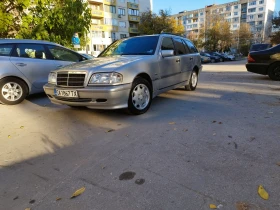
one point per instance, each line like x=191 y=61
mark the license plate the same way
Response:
x=66 y=93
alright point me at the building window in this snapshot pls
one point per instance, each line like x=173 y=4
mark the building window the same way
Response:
x=201 y=14
x=122 y=24
x=228 y=8
x=252 y=10
x=251 y=17
x=113 y=35
x=133 y=12
x=201 y=19
x=110 y=21
x=189 y=21
x=122 y=1
x=110 y=8
x=236 y=7
x=98 y=34
x=122 y=36
x=260 y=15
x=133 y=1
x=235 y=13
x=235 y=26
x=252 y=3
x=243 y=16
x=121 y=11
x=260 y=2
x=260 y=22
x=261 y=9
x=95 y=21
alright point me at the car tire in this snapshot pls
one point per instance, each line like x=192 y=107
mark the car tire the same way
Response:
x=274 y=72
x=213 y=61
x=192 y=82
x=221 y=60
x=140 y=96
x=12 y=91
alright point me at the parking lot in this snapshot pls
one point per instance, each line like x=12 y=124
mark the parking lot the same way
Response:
x=215 y=145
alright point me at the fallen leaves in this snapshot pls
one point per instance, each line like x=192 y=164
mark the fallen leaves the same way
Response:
x=111 y=130
x=278 y=163
x=58 y=199
x=9 y=136
x=262 y=193
x=172 y=123
x=27 y=209
x=242 y=206
x=78 y=192
x=21 y=127
x=212 y=206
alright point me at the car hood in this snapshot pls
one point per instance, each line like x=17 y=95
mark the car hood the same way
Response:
x=104 y=64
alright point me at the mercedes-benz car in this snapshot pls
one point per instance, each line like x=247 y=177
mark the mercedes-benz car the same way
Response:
x=128 y=74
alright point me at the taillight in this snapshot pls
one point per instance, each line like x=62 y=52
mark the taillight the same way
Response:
x=250 y=59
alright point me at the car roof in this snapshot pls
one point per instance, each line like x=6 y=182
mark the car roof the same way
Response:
x=25 y=41
x=162 y=34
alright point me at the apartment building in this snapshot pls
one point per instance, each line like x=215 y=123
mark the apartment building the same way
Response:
x=257 y=13
x=114 y=19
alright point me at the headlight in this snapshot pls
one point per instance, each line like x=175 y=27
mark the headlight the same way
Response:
x=106 y=78
x=52 y=78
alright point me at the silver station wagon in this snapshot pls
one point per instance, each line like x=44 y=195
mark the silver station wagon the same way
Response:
x=128 y=74
x=26 y=64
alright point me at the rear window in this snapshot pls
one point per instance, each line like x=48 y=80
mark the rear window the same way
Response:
x=6 y=49
x=258 y=47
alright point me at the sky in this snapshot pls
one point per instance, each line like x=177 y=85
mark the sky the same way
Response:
x=177 y=6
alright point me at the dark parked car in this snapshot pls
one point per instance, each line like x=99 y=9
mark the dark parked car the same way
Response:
x=258 y=47
x=213 y=58
x=221 y=56
x=265 y=62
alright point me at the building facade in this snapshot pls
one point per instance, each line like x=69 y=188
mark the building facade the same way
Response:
x=114 y=19
x=257 y=13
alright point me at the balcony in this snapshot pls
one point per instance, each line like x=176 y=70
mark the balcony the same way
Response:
x=95 y=1
x=132 y=5
x=133 y=30
x=97 y=13
x=110 y=2
x=133 y=18
x=104 y=28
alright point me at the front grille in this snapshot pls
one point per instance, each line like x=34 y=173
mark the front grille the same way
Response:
x=70 y=79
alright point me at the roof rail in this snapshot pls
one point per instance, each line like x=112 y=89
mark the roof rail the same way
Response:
x=172 y=34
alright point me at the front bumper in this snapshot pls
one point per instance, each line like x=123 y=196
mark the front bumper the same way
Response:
x=95 y=97
x=257 y=68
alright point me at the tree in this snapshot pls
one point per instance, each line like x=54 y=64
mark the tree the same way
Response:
x=217 y=34
x=11 y=14
x=57 y=21
x=275 y=37
x=151 y=23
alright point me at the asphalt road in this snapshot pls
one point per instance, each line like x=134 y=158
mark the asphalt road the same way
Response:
x=215 y=145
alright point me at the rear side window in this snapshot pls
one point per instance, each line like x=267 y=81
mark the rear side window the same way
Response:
x=180 y=48
x=59 y=53
x=35 y=51
x=191 y=46
x=167 y=44
x=6 y=49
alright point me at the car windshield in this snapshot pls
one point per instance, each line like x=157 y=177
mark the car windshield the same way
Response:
x=145 y=45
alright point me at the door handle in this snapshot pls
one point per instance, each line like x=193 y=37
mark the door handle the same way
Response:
x=178 y=60
x=191 y=58
x=21 y=64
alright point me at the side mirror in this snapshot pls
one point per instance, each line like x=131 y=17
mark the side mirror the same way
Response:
x=167 y=53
